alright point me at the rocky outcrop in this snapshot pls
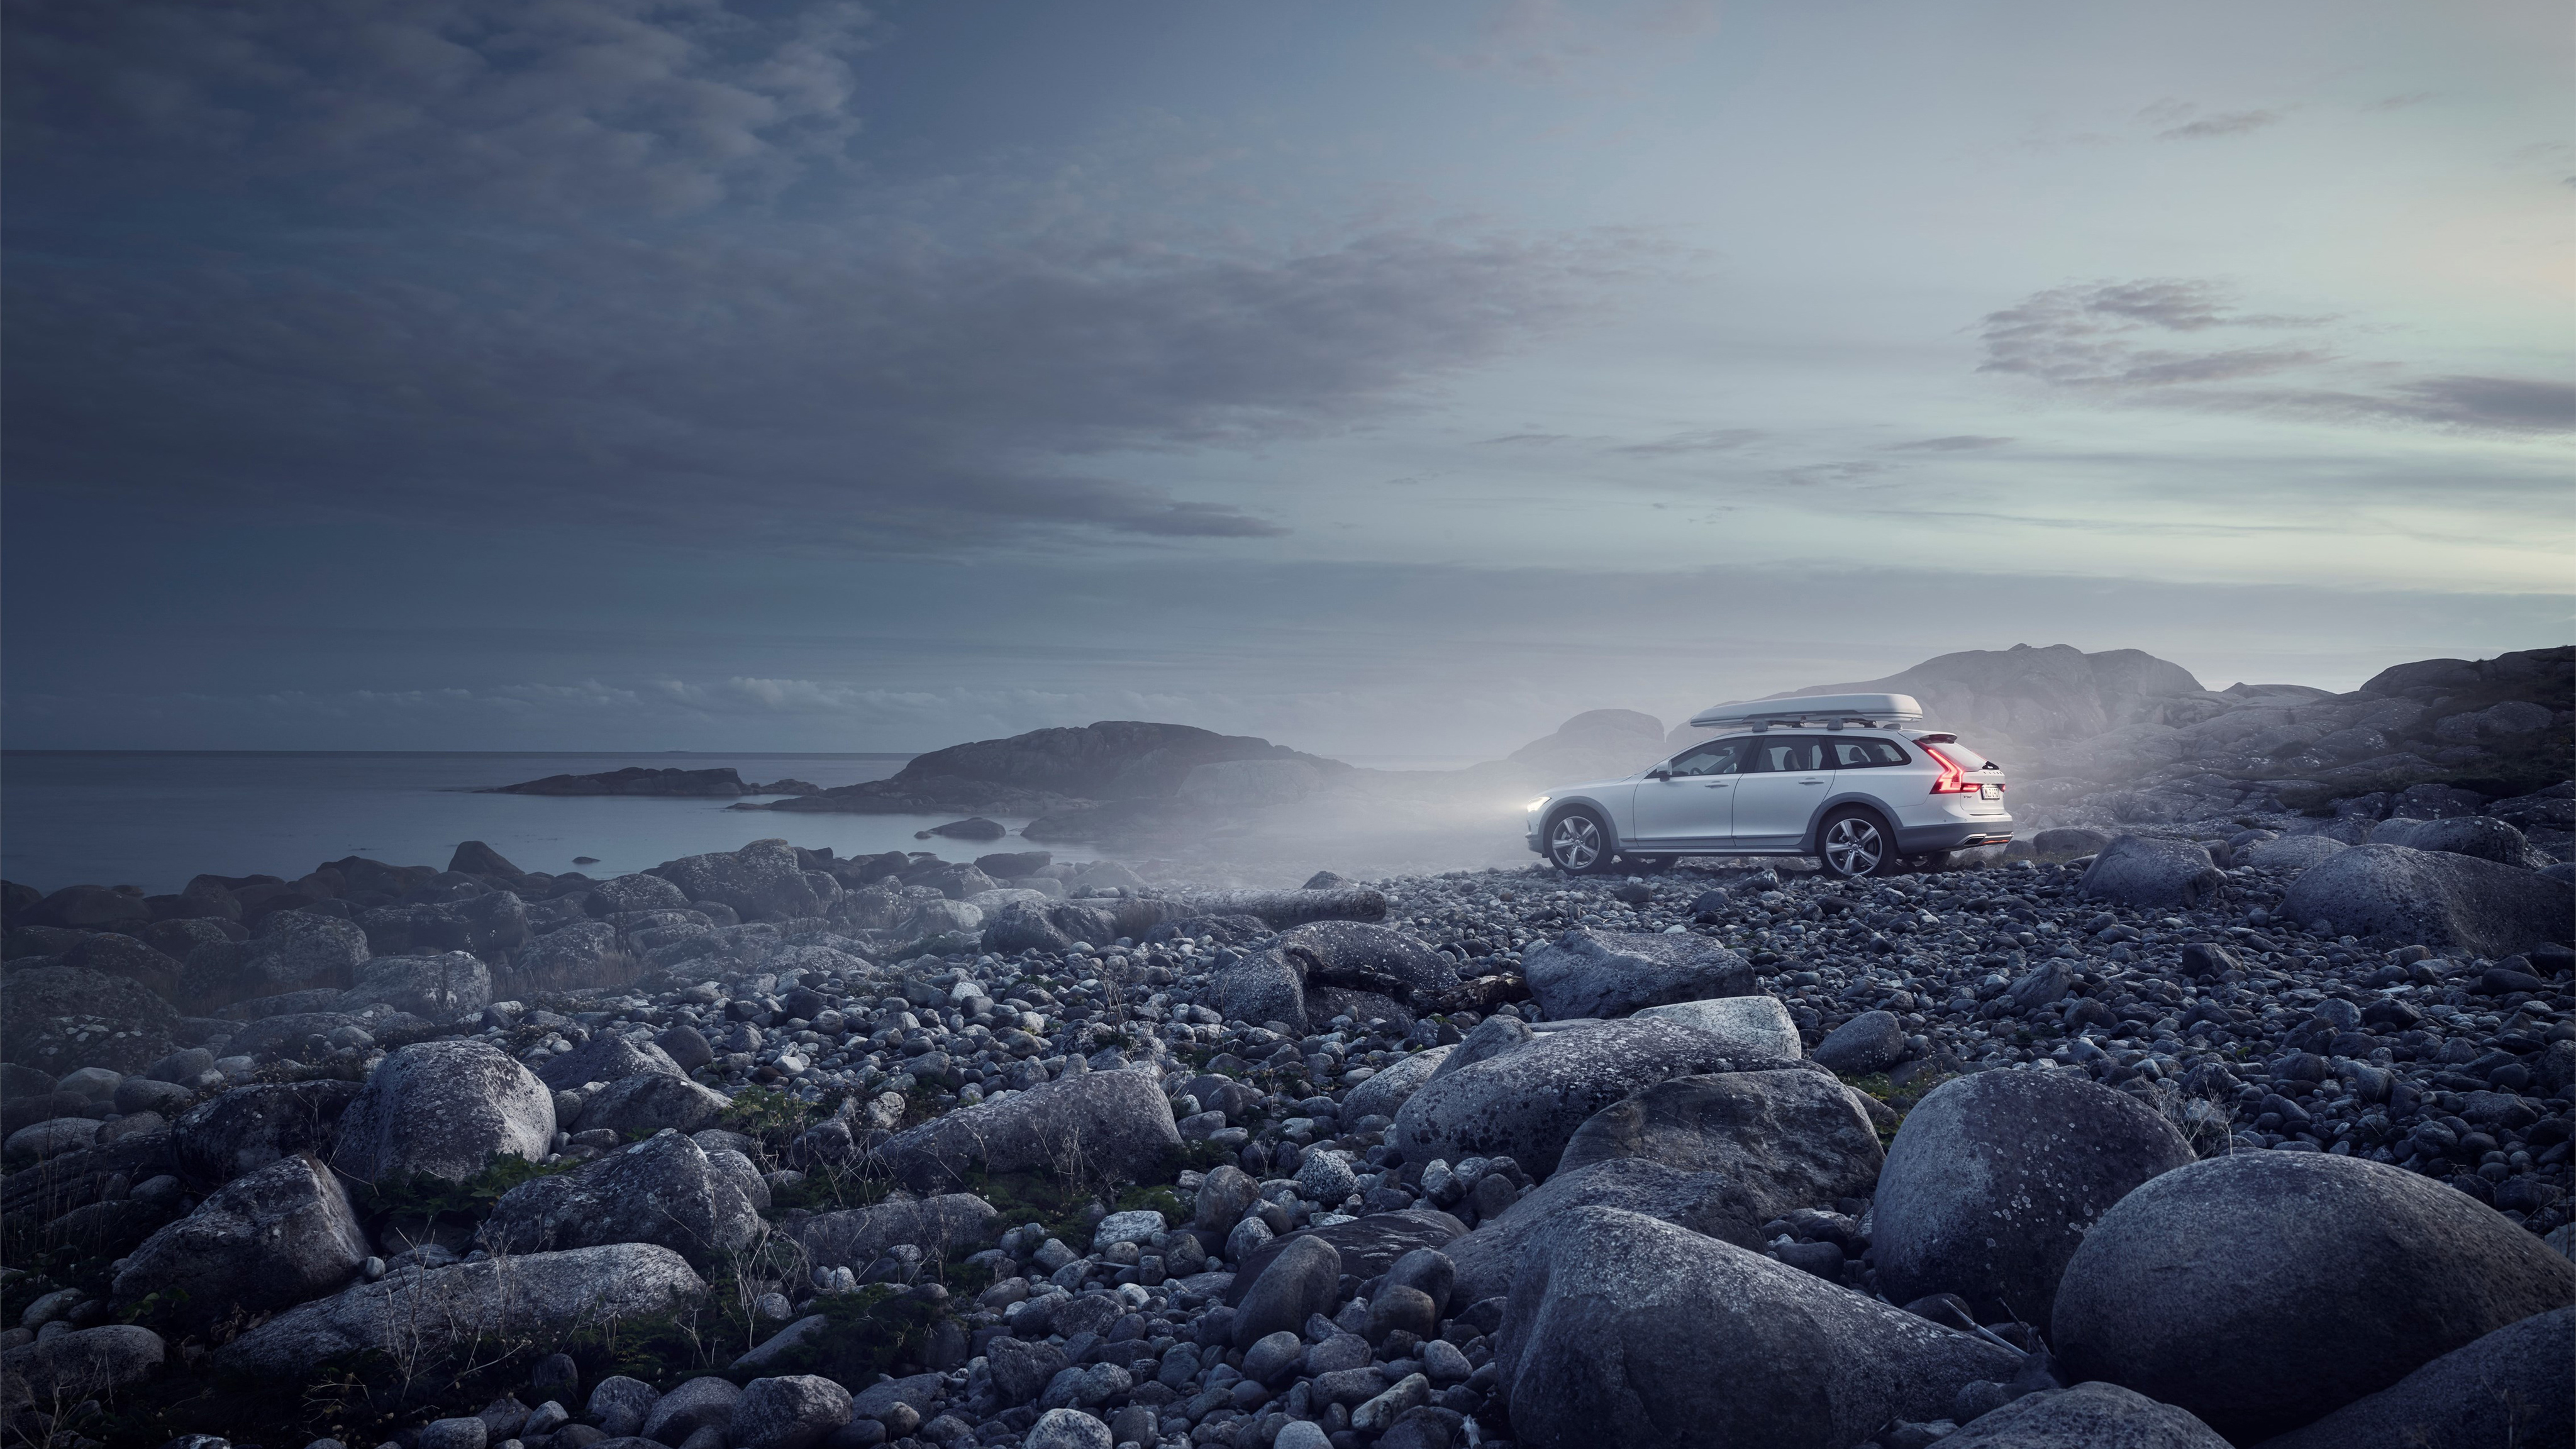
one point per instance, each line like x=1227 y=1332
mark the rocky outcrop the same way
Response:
x=721 y=784
x=1045 y=772
x=2433 y=898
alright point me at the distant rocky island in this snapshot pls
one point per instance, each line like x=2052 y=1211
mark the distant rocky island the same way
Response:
x=720 y=784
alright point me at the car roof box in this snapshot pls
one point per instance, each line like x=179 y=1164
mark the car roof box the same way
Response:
x=1870 y=709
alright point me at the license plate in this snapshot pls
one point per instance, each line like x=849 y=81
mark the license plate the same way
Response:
x=1990 y=792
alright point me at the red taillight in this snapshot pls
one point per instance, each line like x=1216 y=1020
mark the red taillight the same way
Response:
x=1952 y=780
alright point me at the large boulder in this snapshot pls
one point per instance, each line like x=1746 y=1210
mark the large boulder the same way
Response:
x=444 y=1108
x=2433 y=898
x=1757 y=1027
x=606 y=1057
x=650 y=1101
x=2510 y=1387
x=794 y=1411
x=58 y=1018
x=1870 y=1042
x=569 y=958
x=293 y=951
x=1625 y=1329
x=1787 y=1138
x=1994 y=1179
x=266 y=1240
x=1098 y=1123
x=2087 y=1416
x=1528 y=1102
x=2263 y=1290
x=1612 y=973
x=433 y=988
x=2138 y=870
x=1707 y=1203
x=2293 y=852
x=487 y=925
x=762 y=881
x=113 y=955
x=1264 y=986
x=665 y=1189
x=854 y=1237
x=88 y=1363
x=2476 y=835
x=425 y=1316
x=624 y=893
x=247 y=1128
x=1301 y=1280
x=1382 y=1095
x=1363 y=957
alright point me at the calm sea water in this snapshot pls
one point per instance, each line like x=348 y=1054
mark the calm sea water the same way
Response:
x=154 y=819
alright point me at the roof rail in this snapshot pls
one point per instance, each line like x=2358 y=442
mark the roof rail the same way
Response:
x=1830 y=710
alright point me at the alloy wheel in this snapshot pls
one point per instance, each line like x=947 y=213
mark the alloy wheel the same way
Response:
x=1575 y=842
x=1853 y=846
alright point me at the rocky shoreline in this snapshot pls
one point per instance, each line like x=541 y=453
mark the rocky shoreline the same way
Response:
x=771 y=1149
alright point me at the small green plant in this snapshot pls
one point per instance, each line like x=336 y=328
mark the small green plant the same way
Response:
x=436 y=1199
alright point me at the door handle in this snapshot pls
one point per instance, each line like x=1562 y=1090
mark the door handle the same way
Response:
x=1718 y=784
x=1817 y=781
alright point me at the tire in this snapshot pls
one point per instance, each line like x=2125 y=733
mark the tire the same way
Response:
x=1854 y=842
x=1578 y=842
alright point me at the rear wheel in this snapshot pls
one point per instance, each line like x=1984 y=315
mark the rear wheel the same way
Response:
x=1578 y=842
x=1855 y=842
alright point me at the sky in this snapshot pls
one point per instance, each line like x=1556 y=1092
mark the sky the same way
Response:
x=1388 y=381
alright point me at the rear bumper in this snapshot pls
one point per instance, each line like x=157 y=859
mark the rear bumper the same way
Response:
x=1961 y=835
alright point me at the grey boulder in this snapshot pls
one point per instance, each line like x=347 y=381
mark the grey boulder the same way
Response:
x=1707 y=1203
x=650 y=1101
x=265 y=1240
x=248 y=1128
x=1264 y=986
x=583 y=954
x=1870 y=1042
x=2510 y=1387
x=444 y=1108
x=1527 y=1102
x=1613 y=973
x=2087 y=1416
x=793 y=1411
x=606 y=1057
x=2264 y=1290
x=2137 y=870
x=1994 y=1179
x=1303 y=1280
x=2433 y=898
x=664 y=1190
x=429 y=1314
x=1624 y=1329
x=84 y=1364
x=1363 y=957
x=1067 y=1429
x=2293 y=852
x=855 y=1237
x=1786 y=1138
x=2481 y=836
x=636 y=893
x=1383 y=1094
x=762 y=881
x=434 y=988
x=1755 y=1026
x=1114 y=1122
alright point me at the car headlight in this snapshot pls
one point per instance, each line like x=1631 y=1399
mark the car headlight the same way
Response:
x=1535 y=804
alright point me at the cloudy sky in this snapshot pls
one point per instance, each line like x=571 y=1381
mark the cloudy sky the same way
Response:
x=1388 y=380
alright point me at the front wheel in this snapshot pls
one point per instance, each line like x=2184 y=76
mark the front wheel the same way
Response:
x=1578 y=843
x=1855 y=843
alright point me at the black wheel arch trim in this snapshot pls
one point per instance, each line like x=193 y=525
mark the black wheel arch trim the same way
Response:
x=1807 y=843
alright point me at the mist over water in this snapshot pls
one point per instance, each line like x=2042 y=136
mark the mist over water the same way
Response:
x=156 y=819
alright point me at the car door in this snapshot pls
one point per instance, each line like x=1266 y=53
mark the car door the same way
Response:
x=1694 y=804
x=1784 y=779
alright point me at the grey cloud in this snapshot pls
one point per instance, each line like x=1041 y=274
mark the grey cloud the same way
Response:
x=2399 y=103
x=2089 y=338
x=667 y=105
x=1956 y=443
x=1718 y=440
x=1818 y=474
x=2231 y=123
x=830 y=394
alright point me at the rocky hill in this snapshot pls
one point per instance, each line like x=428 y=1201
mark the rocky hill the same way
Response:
x=1060 y=771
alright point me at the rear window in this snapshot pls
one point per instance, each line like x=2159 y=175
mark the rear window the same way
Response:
x=1863 y=754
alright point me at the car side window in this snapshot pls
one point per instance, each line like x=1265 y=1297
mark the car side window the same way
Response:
x=1719 y=757
x=1862 y=754
x=1786 y=754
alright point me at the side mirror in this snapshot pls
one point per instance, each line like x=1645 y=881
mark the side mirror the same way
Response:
x=1659 y=773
